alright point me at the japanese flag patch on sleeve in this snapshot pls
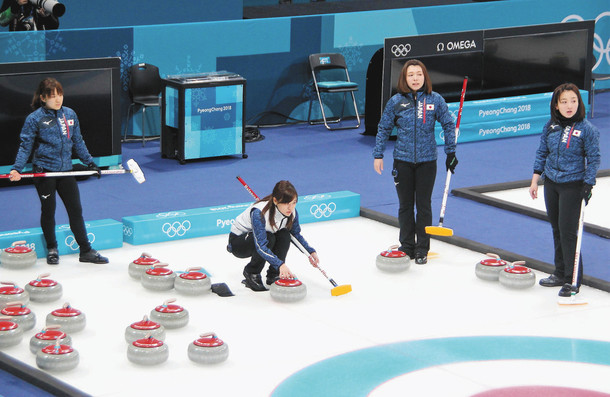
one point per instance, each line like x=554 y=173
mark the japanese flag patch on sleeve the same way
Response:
x=430 y=106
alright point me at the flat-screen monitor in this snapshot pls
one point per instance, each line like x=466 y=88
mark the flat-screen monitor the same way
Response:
x=91 y=87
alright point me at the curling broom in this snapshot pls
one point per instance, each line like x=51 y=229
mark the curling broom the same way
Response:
x=338 y=289
x=133 y=169
x=573 y=299
x=440 y=230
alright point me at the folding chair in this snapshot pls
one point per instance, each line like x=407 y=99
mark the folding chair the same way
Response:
x=330 y=75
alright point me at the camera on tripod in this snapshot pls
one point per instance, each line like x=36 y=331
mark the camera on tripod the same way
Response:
x=50 y=6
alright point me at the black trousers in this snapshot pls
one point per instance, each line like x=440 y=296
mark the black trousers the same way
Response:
x=563 y=201
x=243 y=247
x=414 y=184
x=67 y=188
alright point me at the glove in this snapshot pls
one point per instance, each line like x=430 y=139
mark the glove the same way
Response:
x=93 y=167
x=586 y=192
x=451 y=162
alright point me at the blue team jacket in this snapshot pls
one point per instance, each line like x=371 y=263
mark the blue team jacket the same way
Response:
x=562 y=152
x=415 y=120
x=51 y=136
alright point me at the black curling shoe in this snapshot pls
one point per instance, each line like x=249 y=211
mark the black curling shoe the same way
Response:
x=551 y=281
x=566 y=290
x=421 y=259
x=53 y=256
x=254 y=281
x=92 y=257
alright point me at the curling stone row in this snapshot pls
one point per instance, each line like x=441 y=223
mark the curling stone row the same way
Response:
x=512 y=275
x=49 y=336
x=18 y=256
x=207 y=349
x=160 y=278
x=393 y=260
x=41 y=289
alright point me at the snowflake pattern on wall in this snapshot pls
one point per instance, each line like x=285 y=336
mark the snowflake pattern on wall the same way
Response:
x=352 y=52
x=128 y=58
x=27 y=47
x=189 y=68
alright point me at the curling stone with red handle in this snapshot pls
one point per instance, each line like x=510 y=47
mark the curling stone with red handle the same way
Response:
x=140 y=265
x=57 y=357
x=208 y=349
x=20 y=314
x=193 y=282
x=517 y=276
x=147 y=351
x=70 y=320
x=10 y=332
x=287 y=290
x=10 y=292
x=158 y=278
x=143 y=328
x=489 y=269
x=43 y=289
x=49 y=336
x=18 y=256
x=170 y=316
x=393 y=260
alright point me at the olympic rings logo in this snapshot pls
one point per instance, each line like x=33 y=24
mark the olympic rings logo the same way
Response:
x=170 y=214
x=127 y=231
x=176 y=229
x=323 y=210
x=401 y=50
x=67 y=227
x=73 y=245
x=598 y=44
x=316 y=197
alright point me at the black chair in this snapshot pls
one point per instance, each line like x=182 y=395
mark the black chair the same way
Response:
x=330 y=75
x=144 y=89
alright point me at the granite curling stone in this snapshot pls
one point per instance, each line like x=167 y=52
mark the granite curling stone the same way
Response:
x=10 y=292
x=143 y=328
x=43 y=289
x=517 y=276
x=147 y=351
x=20 y=314
x=18 y=256
x=170 y=316
x=393 y=260
x=11 y=333
x=48 y=337
x=489 y=269
x=208 y=349
x=57 y=357
x=70 y=320
x=158 y=278
x=140 y=265
x=193 y=282
x=287 y=290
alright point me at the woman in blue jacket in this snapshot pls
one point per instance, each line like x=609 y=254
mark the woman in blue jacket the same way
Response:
x=262 y=233
x=568 y=158
x=414 y=111
x=50 y=135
